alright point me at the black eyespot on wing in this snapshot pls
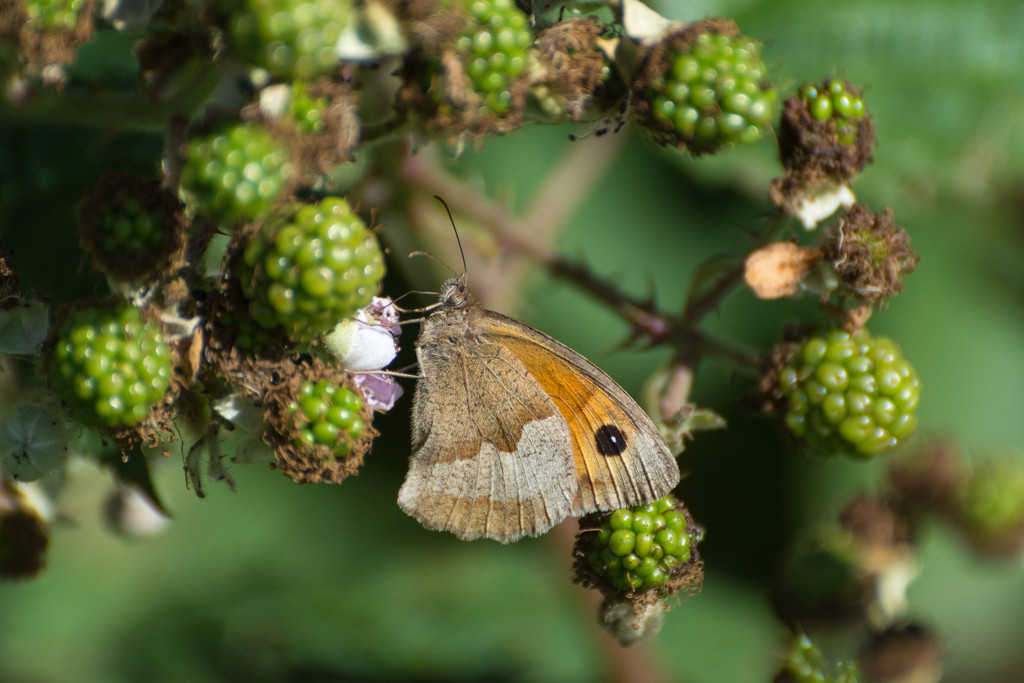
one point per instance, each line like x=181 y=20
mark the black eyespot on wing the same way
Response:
x=610 y=440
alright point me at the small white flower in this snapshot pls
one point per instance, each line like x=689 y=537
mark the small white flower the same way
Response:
x=368 y=341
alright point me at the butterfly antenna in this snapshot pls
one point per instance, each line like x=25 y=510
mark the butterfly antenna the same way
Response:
x=431 y=256
x=457 y=240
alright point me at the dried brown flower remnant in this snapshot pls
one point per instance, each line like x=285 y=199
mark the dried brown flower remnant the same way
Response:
x=776 y=270
x=870 y=254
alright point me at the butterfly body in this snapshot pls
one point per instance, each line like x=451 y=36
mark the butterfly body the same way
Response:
x=514 y=431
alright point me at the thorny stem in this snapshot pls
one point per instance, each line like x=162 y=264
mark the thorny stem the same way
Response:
x=700 y=306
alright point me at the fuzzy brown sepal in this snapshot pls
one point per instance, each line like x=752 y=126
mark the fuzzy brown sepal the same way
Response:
x=133 y=266
x=768 y=398
x=812 y=155
x=688 y=576
x=319 y=463
x=23 y=537
x=869 y=253
x=927 y=481
x=575 y=70
x=237 y=353
x=10 y=284
x=38 y=48
x=879 y=528
x=227 y=367
x=657 y=62
x=903 y=654
x=430 y=24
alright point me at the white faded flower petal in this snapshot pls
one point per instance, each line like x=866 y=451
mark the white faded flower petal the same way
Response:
x=816 y=208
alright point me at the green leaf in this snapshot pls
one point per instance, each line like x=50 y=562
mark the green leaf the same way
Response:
x=23 y=327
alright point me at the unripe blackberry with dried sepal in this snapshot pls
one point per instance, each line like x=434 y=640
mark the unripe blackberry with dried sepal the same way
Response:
x=309 y=266
x=48 y=32
x=24 y=536
x=869 y=253
x=851 y=570
x=238 y=354
x=842 y=393
x=575 y=79
x=112 y=367
x=318 y=121
x=821 y=152
x=807 y=664
x=636 y=557
x=133 y=229
x=471 y=79
x=704 y=87
x=989 y=506
x=236 y=173
x=319 y=424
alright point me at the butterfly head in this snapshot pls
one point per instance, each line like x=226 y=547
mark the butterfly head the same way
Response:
x=455 y=293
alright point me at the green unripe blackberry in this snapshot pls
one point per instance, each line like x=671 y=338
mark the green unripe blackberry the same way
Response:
x=806 y=664
x=307 y=111
x=833 y=100
x=292 y=39
x=493 y=48
x=236 y=173
x=852 y=394
x=992 y=500
x=132 y=228
x=109 y=365
x=328 y=415
x=640 y=548
x=709 y=92
x=310 y=270
x=53 y=15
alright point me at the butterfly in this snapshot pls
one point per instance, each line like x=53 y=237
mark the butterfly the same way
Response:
x=512 y=431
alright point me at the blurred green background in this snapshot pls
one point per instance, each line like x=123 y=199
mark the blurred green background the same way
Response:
x=279 y=581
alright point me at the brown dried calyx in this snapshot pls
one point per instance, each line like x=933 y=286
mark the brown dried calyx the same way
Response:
x=575 y=69
x=869 y=253
x=300 y=461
